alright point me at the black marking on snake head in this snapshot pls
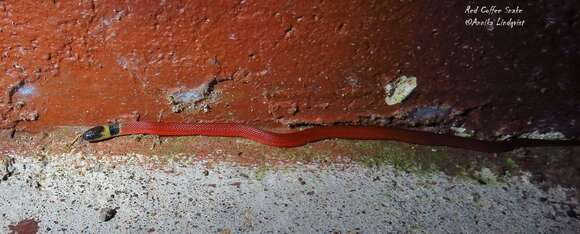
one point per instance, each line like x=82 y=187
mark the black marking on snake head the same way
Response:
x=114 y=129
x=94 y=134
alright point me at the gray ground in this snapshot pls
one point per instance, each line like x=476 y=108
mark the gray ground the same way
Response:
x=75 y=192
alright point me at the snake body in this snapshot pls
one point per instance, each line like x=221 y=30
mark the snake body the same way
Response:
x=302 y=137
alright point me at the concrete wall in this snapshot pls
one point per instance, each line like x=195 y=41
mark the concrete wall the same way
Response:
x=290 y=62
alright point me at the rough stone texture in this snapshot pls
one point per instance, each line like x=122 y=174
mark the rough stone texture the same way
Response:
x=78 y=192
x=286 y=62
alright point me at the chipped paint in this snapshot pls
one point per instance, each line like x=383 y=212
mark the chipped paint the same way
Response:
x=544 y=136
x=462 y=132
x=27 y=90
x=398 y=90
x=181 y=99
x=25 y=93
x=425 y=115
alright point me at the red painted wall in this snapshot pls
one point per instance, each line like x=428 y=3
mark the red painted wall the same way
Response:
x=289 y=62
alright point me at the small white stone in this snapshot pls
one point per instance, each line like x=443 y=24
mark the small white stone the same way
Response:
x=398 y=90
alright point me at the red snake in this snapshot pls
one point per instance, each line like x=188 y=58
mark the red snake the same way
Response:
x=313 y=134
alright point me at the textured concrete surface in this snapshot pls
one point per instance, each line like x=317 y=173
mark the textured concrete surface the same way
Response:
x=80 y=192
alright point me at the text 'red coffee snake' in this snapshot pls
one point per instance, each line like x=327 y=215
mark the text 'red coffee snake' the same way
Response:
x=302 y=137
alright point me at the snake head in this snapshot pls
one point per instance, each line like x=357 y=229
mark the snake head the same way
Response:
x=102 y=132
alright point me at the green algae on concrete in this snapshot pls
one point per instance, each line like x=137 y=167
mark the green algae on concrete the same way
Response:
x=261 y=172
x=401 y=157
x=471 y=166
x=486 y=176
